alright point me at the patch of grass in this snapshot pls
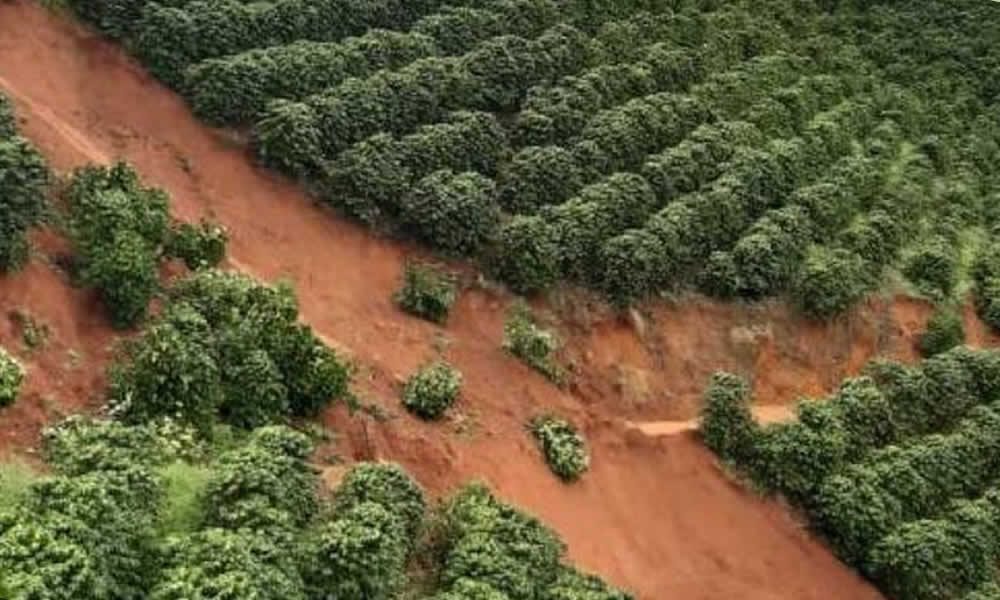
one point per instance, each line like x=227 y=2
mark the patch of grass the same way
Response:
x=15 y=478
x=183 y=484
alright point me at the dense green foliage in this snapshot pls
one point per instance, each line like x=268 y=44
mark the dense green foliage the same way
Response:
x=11 y=377
x=427 y=292
x=432 y=390
x=896 y=469
x=241 y=351
x=24 y=178
x=745 y=149
x=944 y=331
x=564 y=448
x=94 y=528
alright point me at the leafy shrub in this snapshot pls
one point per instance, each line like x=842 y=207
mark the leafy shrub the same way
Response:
x=125 y=271
x=940 y=558
x=427 y=292
x=632 y=265
x=23 y=180
x=361 y=554
x=944 y=331
x=538 y=176
x=726 y=423
x=224 y=563
x=526 y=255
x=287 y=138
x=265 y=484
x=118 y=229
x=80 y=445
x=496 y=546
x=145 y=382
x=571 y=584
x=388 y=485
x=432 y=390
x=533 y=345
x=8 y=122
x=564 y=448
x=829 y=282
x=91 y=529
x=454 y=212
x=243 y=355
x=11 y=377
x=933 y=267
x=199 y=246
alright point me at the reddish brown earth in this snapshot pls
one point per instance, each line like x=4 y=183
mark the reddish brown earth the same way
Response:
x=655 y=514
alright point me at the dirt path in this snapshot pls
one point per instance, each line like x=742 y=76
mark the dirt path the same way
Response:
x=655 y=514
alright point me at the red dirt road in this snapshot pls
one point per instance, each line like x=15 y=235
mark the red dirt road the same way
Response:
x=655 y=514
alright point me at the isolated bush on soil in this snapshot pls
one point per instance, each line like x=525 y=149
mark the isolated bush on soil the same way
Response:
x=534 y=345
x=11 y=377
x=428 y=292
x=726 y=424
x=944 y=331
x=200 y=246
x=564 y=448
x=432 y=390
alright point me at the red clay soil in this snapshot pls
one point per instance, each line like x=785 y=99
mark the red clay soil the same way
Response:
x=655 y=514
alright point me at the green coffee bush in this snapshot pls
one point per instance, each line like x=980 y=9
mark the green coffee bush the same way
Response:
x=533 y=345
x=24 y=177
x=388 y=485
x=8 y=122
x=497 y=546
x=726 y=423
x=118 y=228
x=11 y=377
x=933 y=267
x=454 y=212
x=572 y=584
x=265 y=484
x=564 y=448
x=829 y=282
x=361 y=554
x=231 y=564
x=944 y=331
x=199 y=246
x=427 y=292
x=432 y=390
x=526 y=255
x=226 y=346
x=125 y=272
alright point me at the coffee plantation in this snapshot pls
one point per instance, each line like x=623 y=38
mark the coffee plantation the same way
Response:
x=896 y=470
x=261 y=528
x=745 y=150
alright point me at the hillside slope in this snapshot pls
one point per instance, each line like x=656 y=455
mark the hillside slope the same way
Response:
x=655 y=514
